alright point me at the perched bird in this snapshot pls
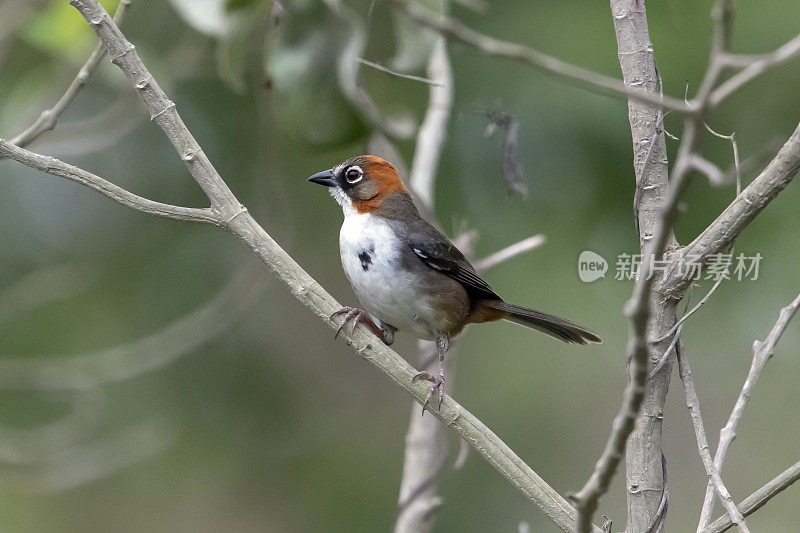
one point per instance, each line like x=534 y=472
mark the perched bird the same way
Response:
x=407 y=275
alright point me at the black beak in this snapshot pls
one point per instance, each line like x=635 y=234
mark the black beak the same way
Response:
x=324 y=178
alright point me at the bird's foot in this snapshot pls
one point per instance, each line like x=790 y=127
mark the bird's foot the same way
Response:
x=437 y=385
x=357 y=316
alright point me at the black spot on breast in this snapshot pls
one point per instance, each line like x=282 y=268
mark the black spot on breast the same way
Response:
x=366 y=259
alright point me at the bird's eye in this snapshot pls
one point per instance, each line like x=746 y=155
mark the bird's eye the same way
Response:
x=353 y=174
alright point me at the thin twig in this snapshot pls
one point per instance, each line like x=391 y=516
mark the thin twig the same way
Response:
x=582 y=77
x=668 y=352
x=49 y=118
x=686 y=316
x=693 y=403
x=735 y=147
x=348 y=69
x=509 y=252
x=759 y=498
x=719 y=235
x=757 y=65
x=762 y=352
x=58 y=168
x=380 y=67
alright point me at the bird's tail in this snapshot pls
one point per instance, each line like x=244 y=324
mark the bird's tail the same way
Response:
x=561 y=329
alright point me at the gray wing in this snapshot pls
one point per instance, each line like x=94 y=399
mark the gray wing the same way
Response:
x=430 y=246
x=438 y=253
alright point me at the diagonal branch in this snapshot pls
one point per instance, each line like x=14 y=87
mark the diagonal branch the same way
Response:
x=759 y=498
x=49 y=117
x=693 y=403
x=744 y=208
x=58 y=168
x=754 y=67
x=762 y=352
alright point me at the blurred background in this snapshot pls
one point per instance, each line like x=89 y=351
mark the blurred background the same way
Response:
x=155 y=377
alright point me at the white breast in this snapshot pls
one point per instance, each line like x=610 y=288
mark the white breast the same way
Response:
x=371 y=259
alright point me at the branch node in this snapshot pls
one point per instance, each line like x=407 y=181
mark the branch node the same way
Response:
x=242 y=209
x=189 y=155
x=115 y=59
x=170 y=105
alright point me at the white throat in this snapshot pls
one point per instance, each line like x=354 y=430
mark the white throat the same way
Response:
x=343 y=200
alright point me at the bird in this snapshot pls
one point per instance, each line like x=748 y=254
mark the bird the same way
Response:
x=407 y=275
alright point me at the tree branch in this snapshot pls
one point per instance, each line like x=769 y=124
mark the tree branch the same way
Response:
x=762 y=352
x=747 y=205
x=656 y=212
x=378 y=66
x=584 y=78
x=509 y=252
x=754 y=66
x=431 y=135
x=693 y=403
x=759 y=498
x=49 y=118
x=58 y=168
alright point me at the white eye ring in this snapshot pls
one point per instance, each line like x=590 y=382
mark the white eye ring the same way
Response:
x=353 y=174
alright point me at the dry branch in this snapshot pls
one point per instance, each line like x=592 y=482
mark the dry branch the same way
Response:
x=49 y=117
x=587 y=79
x=58 y=168
x=754 y=198
x=693 y=403
x=656 y=208
x=513 y=250
x=762 y=352
x=759 y=498
x=656 y=219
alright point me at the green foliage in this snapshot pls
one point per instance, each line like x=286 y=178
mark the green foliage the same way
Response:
x=59 y=28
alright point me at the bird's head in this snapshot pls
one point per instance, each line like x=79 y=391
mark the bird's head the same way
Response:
x=361 y=183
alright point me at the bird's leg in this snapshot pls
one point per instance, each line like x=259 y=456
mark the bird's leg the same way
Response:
x=357 y=316
x=437 y=382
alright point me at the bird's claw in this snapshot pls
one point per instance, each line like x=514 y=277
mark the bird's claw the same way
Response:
x=357 y=316
x=350 y=313
x=437 y=385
